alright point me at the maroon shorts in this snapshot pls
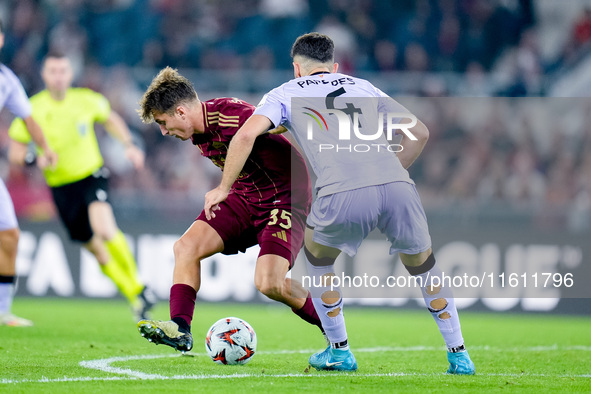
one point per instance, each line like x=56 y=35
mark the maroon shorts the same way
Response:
x=278 y=231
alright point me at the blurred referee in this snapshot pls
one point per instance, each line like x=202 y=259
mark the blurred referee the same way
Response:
x=79 y=182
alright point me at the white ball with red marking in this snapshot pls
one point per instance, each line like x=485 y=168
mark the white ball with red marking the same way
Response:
x=231 y=341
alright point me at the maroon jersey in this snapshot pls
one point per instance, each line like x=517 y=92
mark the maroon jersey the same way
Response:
x=275 y=173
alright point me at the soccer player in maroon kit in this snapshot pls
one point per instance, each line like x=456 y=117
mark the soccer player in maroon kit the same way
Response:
x=266 y=207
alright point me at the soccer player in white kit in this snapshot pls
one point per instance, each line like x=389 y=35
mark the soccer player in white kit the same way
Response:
x=361 y=185
x=13 y=97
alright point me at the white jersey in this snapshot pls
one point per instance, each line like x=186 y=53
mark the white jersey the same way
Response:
x=13 y=97
x=338 y=120
x=12 y=94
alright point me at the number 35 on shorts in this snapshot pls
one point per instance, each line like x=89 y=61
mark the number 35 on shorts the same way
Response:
x=283 y=219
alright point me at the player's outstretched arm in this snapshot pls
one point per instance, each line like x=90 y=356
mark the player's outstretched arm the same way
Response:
x=412 y=149
x=238 y=151
x=117 y=127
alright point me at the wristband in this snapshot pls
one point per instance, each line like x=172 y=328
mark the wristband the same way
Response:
x=30 y=159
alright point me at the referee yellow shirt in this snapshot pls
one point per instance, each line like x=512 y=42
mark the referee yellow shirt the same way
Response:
x=68 y=126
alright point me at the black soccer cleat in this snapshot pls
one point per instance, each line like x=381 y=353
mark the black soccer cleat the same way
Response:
x=167 y=333
x=145 y=302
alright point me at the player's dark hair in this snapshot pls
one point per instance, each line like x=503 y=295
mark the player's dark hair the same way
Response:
x=1 y=26
x=54 y=54
x=167 y=90
x=315 y=46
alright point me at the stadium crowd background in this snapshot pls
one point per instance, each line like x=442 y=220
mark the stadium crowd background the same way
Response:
x=514 y=157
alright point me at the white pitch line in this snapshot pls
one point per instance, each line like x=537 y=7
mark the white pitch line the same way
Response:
x=104 y=365
x=57 y=380
x=290 y=375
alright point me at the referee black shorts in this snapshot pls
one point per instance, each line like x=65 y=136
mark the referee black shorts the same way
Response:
x=72 y=201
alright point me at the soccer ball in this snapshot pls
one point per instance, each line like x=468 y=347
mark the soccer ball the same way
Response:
x=231 y=341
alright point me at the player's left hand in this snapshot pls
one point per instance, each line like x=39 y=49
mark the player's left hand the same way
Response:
x=213 y=198
x=136 y=156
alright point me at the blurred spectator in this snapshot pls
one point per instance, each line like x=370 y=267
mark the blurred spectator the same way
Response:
x=386 y=55
x=284 y=9
x=483 y=151
x=70 y=38
x=415 y=58
x=525 y=185
x=423 y=35
x=344 y=41
x=578 y=42
x=468 y=169
x=475 y=82
x=152 y=55
x=582 y=29
x=448 y=42
x=490 y=188
x=523 y=66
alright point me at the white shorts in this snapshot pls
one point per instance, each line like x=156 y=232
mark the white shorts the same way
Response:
x=343 y=220
x=7 y=215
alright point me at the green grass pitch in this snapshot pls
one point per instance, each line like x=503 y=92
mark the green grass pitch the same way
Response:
x=93 y=346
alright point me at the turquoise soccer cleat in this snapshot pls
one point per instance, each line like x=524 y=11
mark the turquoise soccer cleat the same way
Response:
x=333 y=360
x=460 y=363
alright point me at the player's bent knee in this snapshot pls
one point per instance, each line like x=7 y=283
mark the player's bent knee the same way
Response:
x=179 y=248
x=184 y=250
x=269 y=288
x=272 y=292
x=196 y=244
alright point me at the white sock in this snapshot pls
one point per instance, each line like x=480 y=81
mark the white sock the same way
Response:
x=440 y=302
x=328 y=303
x=6 y=293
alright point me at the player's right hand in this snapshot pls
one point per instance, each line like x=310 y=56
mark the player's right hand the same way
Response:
x=213 y=198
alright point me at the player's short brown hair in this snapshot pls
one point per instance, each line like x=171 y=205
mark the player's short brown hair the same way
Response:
x=167 y=90
x=314 y=46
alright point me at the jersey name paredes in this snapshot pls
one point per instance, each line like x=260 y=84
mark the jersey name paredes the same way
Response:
x=341 y=123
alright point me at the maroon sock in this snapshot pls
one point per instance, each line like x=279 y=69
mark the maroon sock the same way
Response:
x=308 y=313
x=182 y=302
